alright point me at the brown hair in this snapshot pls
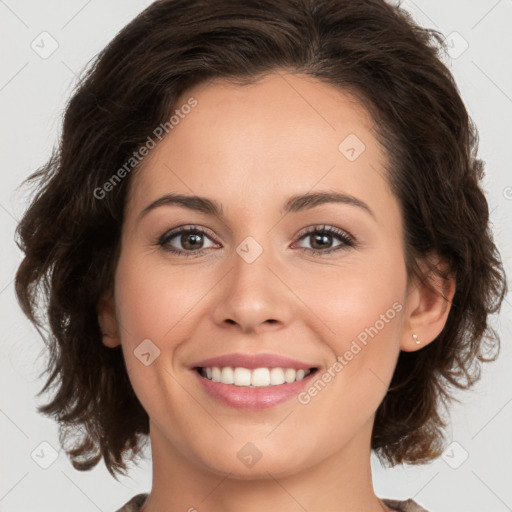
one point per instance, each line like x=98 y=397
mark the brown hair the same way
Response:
x=71 y=238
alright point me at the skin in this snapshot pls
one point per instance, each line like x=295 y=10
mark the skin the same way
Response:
x=250 y=148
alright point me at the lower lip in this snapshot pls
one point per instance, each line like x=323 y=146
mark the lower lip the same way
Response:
x=243 y=397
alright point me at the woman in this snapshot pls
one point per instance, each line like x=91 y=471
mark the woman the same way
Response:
x=178 y=238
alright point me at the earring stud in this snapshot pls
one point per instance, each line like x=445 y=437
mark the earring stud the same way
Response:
x=417 y=341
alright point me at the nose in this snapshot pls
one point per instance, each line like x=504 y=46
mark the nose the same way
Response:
x=253 y=296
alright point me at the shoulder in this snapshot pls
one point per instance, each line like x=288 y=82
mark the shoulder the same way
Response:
x=134 y=504
x=404 y=506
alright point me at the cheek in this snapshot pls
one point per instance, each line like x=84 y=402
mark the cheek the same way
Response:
x=366 y=321
x=351 y=298
x=361 y=311
x=152 y=302
x=153 y=299
x=365 y=311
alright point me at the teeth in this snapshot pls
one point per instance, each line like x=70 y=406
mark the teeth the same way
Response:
x=226 y=375
x=289 y=375
x=216 y=374
x=242 y=377
x=258 y=377
x=276 y=376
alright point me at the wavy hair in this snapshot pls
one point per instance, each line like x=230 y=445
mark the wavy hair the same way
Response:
x=368 y=48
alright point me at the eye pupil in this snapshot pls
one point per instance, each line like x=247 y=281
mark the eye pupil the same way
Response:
x=190 y=238
x=322 y=239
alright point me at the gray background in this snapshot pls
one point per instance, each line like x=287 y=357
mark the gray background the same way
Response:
x=474 y=473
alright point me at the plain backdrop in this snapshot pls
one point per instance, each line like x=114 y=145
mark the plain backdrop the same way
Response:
x=44 y=46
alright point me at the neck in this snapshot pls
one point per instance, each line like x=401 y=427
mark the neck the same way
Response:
x=340 y=483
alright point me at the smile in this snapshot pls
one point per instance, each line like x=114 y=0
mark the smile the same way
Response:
x=251 y=378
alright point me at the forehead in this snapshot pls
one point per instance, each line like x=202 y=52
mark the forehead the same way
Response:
x=247 y=145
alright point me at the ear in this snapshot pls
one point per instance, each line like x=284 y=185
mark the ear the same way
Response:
x=107 y=320
x=427 y=307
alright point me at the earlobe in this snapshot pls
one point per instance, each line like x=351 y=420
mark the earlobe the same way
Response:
x=107 y=321
x=428 y=307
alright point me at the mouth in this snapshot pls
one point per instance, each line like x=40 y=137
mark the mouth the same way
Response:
x=255 y=377
x=253 y=381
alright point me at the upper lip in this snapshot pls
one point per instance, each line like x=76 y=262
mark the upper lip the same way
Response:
x=252 y=361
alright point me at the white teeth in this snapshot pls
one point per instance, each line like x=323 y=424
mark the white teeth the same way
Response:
x=216 y=374
x=226 y=375
x=258 y=377
x=289 y=375
x=276 y=376
x=242 y=377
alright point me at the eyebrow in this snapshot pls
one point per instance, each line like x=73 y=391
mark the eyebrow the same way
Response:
x=295 y=203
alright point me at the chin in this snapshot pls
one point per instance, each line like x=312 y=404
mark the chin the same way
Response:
x=247 y=462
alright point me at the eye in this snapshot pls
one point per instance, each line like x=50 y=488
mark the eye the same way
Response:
x=191 y=239
x=321 y=239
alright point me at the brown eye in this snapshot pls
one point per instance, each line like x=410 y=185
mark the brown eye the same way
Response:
x=321 y=240
x=186 y=241
x=191 y=241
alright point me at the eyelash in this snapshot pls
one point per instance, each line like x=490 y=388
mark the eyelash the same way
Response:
x=348 y=240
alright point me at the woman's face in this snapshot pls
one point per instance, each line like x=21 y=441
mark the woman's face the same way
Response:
x=249 y=284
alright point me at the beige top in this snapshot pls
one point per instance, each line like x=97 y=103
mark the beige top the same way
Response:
x=401 y=506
